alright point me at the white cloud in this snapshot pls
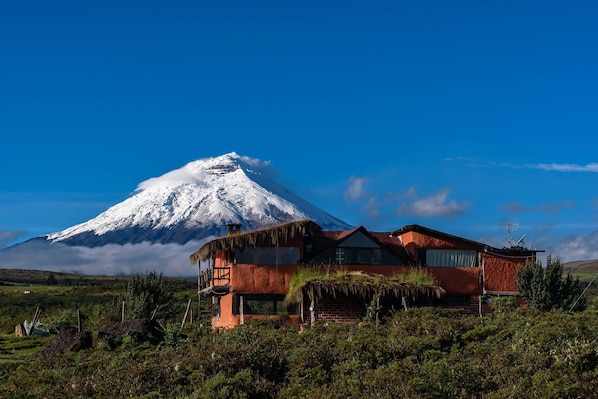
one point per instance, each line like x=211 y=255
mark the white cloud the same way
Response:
x=565 y=167
x=170 y=259
x=576 y=247
x=372 y=208
x=435 y=205
x=195 y=172
x=356 y=189
x=411 y=192
x=549 y=167
x=385 y=209
x=517 y=207
x=9 y=236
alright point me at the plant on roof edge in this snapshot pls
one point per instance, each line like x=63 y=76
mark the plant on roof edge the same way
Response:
x=304 y=274
x=316 y=281
x=418 y=275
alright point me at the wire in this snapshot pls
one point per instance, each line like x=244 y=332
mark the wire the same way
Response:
x=584 y=291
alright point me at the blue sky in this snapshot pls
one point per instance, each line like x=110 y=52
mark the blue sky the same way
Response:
x=453 y=115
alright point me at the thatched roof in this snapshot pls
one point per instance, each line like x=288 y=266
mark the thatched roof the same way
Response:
x=264 y=237
x=364 y=286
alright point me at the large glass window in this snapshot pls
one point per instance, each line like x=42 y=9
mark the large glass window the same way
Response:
x=268 y=304
x=448 y=257
x=359 y=256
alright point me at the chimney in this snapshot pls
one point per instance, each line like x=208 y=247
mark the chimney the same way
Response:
x=233 y=228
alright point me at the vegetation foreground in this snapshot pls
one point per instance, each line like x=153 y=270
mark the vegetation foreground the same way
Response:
x=419 y=353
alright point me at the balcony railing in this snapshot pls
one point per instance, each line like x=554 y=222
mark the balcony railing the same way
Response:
x=214 y=277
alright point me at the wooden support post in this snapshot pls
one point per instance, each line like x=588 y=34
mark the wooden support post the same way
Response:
x=480 y=301
x=35 y=320
x=38 y=313
x=78 y=320
x=186 y=311
x=312 y=312
x=242 y=315
x=198 y=305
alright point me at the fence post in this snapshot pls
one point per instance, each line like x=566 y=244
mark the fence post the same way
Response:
x=186 y=311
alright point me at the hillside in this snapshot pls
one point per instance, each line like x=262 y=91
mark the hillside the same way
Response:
x=585 y=269
x=40 y=277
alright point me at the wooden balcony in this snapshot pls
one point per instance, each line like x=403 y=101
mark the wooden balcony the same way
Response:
x=215 y=280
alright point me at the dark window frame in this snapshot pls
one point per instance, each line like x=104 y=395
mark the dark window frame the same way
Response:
x=421 y=258
x=359 y=256
x=276 y=300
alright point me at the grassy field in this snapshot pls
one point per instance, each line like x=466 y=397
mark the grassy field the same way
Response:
x=585 y=269
x=419 y=353
x=65 y=300
x=64 y=297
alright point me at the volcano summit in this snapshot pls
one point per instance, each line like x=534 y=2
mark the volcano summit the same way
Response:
x=168 y=217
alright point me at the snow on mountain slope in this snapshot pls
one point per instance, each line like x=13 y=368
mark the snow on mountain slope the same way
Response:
x=195 y=202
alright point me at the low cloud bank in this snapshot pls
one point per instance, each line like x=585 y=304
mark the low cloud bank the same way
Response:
x=577 y=247
x=173 y=259
x=112 y=260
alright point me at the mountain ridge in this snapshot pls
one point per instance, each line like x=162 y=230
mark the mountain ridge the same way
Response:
x=169 y=217
x=197 y=201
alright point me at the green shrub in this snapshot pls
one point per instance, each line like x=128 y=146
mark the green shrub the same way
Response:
x=545 y=288
x=504 y=304
x=147 y=297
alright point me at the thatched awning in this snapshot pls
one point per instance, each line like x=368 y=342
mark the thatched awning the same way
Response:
x=365 y=286
x=264 y=237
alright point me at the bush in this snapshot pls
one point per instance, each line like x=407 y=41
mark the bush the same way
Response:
x=504 y=304
x=544 y=288
x=147 y=297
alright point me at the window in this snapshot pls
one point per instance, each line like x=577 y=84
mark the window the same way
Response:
x=340 y=255
x=268 y=255
x=359 y=256
x=447 y=257
x=216 y=306
x=266 y=304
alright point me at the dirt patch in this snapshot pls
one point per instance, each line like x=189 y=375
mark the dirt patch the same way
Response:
x=67 y=341
x=72 y=341
x=138 y=329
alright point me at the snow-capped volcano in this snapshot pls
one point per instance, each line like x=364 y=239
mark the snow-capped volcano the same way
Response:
x=195 y=202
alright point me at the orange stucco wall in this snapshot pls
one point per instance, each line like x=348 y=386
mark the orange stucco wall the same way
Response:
x=261 y=279
x=458 y=280
x=275 y=280
x=226 y=318
x=500 y=272
x=413 y=240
